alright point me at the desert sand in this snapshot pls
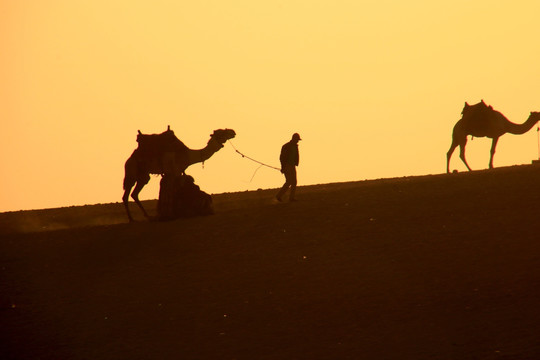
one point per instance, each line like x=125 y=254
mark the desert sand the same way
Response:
x=428 y=267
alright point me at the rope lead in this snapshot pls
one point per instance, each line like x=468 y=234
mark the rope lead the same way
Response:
x=257 y=161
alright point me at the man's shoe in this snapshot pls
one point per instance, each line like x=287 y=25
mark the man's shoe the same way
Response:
x=278 y=199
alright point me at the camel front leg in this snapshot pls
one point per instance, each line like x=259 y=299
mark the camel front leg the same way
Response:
x=492 y=152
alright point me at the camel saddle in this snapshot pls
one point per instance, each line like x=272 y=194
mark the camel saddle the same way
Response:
x=156 y=145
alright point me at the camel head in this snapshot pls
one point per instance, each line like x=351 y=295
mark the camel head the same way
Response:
x=535 y=115
x=221 y=136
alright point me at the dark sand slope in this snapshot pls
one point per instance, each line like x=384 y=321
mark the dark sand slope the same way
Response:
x=434 y=267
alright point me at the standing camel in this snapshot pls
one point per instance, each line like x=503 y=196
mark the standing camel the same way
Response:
x=480 y=120
x=163 y=154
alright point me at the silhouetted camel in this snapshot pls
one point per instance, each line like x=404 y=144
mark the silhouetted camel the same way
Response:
x=162 y=154
x=481 y=120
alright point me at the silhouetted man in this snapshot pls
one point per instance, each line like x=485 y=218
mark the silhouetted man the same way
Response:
x=289 y=159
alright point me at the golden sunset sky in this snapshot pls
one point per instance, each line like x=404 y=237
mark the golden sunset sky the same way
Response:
x=373 y=87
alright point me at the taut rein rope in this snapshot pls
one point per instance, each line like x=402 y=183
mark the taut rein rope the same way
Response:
x=254 y=160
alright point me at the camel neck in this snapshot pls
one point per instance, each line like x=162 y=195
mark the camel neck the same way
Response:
x=519 y=129
x=201 y=155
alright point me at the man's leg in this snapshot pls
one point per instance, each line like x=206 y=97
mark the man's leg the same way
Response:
x=282 y=191
x=288 y=183
x=292 y=180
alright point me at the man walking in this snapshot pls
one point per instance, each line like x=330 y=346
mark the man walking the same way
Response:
x=289 y=159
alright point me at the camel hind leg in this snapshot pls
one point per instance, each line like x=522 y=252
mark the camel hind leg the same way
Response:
x=125 y=198
x=139 y=185
x=462 y=154
x=461 y=142
x=135 y=196
x=449 y=156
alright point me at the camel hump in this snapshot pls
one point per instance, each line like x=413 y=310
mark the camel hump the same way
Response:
x=155 y=144
x=476 y=109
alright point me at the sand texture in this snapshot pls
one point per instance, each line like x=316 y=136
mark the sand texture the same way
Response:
x=430 y=267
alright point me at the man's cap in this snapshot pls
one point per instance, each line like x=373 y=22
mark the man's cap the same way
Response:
x=296 y=136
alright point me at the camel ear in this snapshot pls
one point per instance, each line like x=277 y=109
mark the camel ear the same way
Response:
x=140 y=133
x=466 y=103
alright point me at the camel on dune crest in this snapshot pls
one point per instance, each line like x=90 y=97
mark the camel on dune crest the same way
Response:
x=164 y=154
x=481 y=120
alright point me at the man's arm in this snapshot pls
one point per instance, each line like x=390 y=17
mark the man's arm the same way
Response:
x=284 y=155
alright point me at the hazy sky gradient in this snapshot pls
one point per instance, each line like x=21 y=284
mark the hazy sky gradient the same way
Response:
x=373 y=87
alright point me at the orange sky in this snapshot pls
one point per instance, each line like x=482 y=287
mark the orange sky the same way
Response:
x=373 y=87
